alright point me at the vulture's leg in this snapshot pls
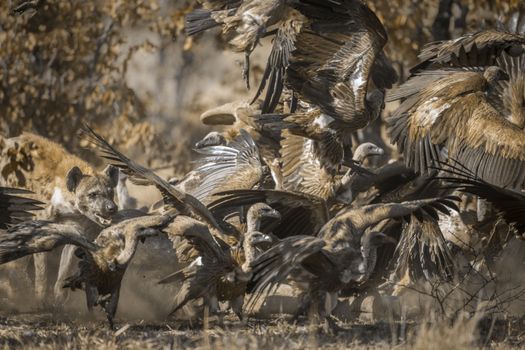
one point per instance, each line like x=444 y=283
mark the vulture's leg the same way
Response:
x=212 y=302
x=110 y=307
x=330 y=302
x=236 y=305
x=304 y=304
x=324 y=310
x=91 y=296
x=41 y=268
x=246 y=69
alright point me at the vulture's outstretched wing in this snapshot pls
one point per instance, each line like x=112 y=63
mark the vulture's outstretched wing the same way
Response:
x=353 y=221
x=301 y=214
x=33 y=237
x=236 y=166
x=272 y=267
x=317 y=73
x=200 y=238
x=422 y=253
x=186 y=204
x=510 y=204
x=480 y=49
x=508 y=96
x=14 y=208
x=274 y=73
x=453 y=112
x=309 y=164
x=333 y=61
x=200 y=20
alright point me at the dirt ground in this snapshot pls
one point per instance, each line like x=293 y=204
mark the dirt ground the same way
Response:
x=49 y=331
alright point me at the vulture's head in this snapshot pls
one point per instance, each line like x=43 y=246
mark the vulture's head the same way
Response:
x=214 y=138
x=256 y=238
x=366 y=150
x=263 y=210
x=494 y=74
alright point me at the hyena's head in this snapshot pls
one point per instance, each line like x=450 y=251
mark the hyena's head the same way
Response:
x=94 y=194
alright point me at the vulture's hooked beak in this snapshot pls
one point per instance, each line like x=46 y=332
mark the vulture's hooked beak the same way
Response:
x=378 y=151
x=274 y=214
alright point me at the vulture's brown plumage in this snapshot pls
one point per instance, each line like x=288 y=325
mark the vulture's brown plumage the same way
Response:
x=509 y=204
x=447 y=114
x=103 y=262
x=343 y=37
x=221 y=270
x=341 y=253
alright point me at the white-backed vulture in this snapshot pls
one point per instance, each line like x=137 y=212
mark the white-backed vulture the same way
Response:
x=103 y=262
x=222 y=273
x=447 y=114
x=349 y=29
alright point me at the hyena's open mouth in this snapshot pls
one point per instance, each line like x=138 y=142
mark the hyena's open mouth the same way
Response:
x=102 y=220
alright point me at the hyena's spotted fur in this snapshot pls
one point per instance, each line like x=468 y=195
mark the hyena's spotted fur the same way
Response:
x=67 y=183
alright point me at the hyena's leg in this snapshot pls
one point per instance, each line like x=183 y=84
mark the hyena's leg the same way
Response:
x=16 y=279
x=41 y=268
x=65 y=269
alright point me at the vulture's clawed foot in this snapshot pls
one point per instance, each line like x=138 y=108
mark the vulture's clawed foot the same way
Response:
x=246 y=70
x=111 y=323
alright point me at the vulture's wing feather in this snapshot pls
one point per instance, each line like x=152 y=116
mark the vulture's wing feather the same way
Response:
x=301 y=214
x=422 y=252
x=236 y=166
x=272 y=267
x=15 y=208
x=186 y=204
x=509 y=203
x=474 y=49
x=273 y=77
x=33 y=237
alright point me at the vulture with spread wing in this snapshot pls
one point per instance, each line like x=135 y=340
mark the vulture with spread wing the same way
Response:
x=509 y=204
x=103 y=262
x=344 y=36
x=466 y=101
x=236 y=165
x=447 y=114
x=221 y=271
x=342 y=252
x=213 y=248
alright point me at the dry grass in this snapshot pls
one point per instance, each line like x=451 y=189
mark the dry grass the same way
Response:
x=31 y=332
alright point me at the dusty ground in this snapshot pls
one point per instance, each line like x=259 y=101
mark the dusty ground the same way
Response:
x=46 y=331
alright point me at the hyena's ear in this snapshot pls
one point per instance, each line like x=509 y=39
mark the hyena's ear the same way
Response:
x=112 y=173
x=73 y=178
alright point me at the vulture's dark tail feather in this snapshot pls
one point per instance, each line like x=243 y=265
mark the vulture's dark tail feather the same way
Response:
x=199 y=21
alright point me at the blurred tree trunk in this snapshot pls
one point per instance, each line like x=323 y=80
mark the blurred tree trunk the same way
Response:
x=440 y=27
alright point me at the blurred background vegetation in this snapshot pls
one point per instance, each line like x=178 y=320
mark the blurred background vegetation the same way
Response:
x=126 y=68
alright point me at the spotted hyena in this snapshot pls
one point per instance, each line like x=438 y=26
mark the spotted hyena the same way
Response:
x=67 y=183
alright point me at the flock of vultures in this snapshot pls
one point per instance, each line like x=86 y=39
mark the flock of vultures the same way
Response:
x=293 y=192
